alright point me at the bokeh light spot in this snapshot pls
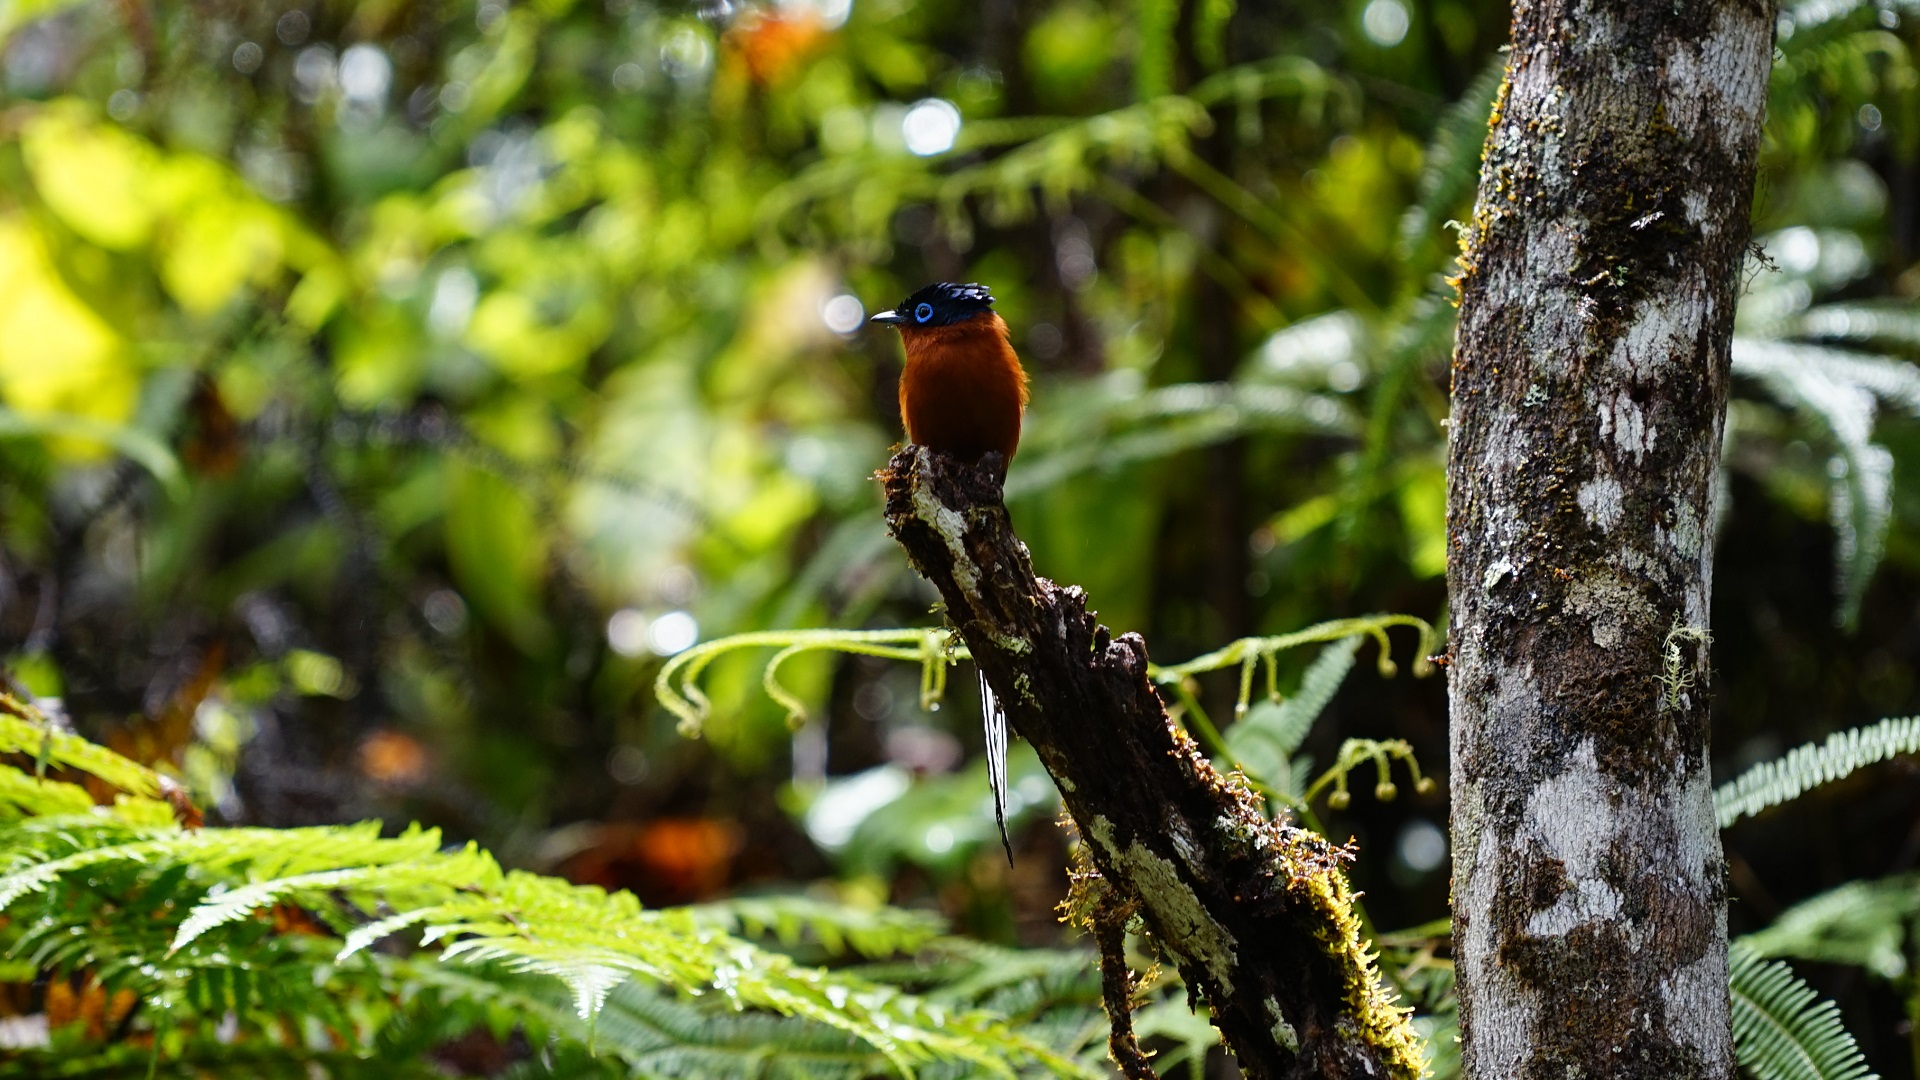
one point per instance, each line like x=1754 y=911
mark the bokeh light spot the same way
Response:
x=931 y=127
x=843 y=313
x=1422 y=846
x=672 y=633
x=1385 y=22
x=366 y=74
x=627 y=632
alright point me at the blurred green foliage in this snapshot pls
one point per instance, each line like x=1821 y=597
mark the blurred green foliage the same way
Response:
x=388 y=389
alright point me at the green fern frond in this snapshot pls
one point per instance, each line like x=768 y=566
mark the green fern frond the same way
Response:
x=1374 y=626
x=26 y=730
x=1782 y=1030
x=690 y=1040
x=992 y=971
x=1773 y=782
x=1052 y=157
x=678 y=684
x=1861 y=923
x=1892 y=324
x=396 y=871
x=835 y=928
x=1452 y=158
x=1825 y=387
x=1053 y=994
x=204 y=949
x=659 y=1034
x=367 y=935
x=31 y=796
x=264 y=853
x=1210 y=31
x=1264 y=741
x=1167 y=421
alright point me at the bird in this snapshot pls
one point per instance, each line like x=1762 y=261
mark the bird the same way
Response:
x=963 y=392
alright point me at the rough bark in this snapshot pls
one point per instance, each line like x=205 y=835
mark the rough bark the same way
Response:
x=1589 y=393
x=1256 y=914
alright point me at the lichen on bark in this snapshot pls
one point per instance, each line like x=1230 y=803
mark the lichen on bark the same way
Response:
x=1590 y=374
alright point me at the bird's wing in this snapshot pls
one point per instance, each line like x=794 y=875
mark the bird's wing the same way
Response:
x=995 y=719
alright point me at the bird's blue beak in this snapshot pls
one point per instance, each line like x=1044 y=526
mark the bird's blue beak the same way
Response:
x=889 y=318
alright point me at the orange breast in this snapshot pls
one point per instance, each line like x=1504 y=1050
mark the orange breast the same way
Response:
x=963 y=389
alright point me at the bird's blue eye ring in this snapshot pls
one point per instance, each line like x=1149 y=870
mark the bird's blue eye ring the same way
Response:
x=923 y=313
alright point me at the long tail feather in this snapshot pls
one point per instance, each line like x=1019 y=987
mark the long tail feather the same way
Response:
x=996 y=720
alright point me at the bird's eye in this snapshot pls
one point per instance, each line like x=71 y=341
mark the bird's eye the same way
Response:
x=923 y=313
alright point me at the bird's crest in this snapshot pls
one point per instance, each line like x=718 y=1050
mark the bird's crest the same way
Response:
x=942 y=303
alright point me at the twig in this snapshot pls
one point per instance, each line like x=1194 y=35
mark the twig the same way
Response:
x=1117 y=987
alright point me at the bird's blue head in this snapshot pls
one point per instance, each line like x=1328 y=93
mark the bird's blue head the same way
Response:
x=940 y=304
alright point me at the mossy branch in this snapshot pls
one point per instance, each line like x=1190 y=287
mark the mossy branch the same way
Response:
x=1257 y=914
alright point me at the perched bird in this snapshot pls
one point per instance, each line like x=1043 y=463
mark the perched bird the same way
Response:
x=963 y=389
x=962 y=393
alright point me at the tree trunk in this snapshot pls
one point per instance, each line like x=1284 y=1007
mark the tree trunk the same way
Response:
x=1589 y=393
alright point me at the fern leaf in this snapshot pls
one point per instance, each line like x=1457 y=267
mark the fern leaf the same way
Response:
x=1861 y=923
x=38 y=797
x=838 y=929
x=165 y=912
x=1888 y=325
x=1825 y=387
x=996 y=969
x=1773 y=782
x=1172 y=420
x=370 y=934
x=266 y=852
x=19 y=736
x=690 y=1040
x=392 y=874
x=1781 y=1028
x=39 y=875
x=589 y=984
x=1453 y=157
x=1265 y=740
x=1889 y=379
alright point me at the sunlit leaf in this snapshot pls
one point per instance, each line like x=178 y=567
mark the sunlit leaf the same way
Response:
x=57 y=356
x=95 y=176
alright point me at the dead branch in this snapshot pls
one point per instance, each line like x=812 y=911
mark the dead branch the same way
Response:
x=1255 y=913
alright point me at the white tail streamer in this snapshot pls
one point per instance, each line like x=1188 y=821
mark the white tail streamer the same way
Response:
x=995 y=719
